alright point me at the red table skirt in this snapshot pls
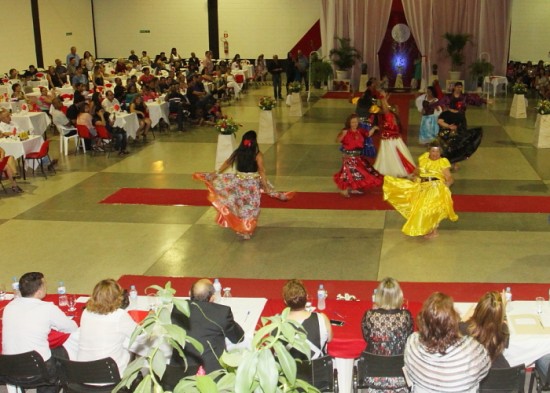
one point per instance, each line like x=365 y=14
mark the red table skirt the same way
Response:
x=347 y=341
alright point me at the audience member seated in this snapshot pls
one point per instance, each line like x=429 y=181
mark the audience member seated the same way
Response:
x=488 y=326
x=133 y=57
x=98 y=77
x=27 y=321
x=193 y=63
x=18 y=92
x=140 y=109
x=120 y=67
x=59 y=116
x=11 y=171
x=110 y=103
x=437 y=357
x=13 y=74
x=7 y=127
x=316 y=325
x=119 y=90
x=178 y=104
x=86 y=119
x=80 y=77
x=53 y=78
x=146 y=77
x=45 y=99
x=386 y=328
x=30 y=74
x=105 y=328
x=61 y=70
x=209 y=323
x=89 y=61
x=80 y=93
x=145 y=60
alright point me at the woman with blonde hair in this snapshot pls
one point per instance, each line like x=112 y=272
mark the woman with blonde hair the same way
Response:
x=488 y=326
x=105 y=327
x=386 y=328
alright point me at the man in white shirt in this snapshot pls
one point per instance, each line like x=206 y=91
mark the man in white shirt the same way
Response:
x=109 y=102
x=27 y=321
x=6 y=126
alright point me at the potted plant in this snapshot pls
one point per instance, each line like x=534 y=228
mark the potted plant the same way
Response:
x=518 y=109
x=344 y=57
x=321 y=70
x=479 y=69
x=542 y=124
x=266 y=365
x=455 y=50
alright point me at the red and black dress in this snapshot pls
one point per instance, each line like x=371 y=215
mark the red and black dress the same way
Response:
x=356 y=173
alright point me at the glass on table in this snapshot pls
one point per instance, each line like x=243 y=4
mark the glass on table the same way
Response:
x=71 y=302
x=2 y=292
x=539 y=302
x=152 y=300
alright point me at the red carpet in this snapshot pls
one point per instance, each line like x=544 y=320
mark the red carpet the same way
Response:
x=330 y=201
x=271 y=289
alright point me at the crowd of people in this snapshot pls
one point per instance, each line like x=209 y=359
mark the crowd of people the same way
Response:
x=535 y=76
x=446 y=353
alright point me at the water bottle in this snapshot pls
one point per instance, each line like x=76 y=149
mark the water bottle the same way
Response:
x=374 y=297
x=508 y=294
x=217 y=289
x=15 y=287
x=133 y=296
x=508 y=297
x=62 y=292
x=227 y=292
x=321 y=296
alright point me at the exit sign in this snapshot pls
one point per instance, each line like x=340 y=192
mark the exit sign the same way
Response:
x=145 y=31
x=69 y=33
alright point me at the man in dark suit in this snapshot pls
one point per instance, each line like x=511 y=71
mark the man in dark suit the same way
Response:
x=209 y=323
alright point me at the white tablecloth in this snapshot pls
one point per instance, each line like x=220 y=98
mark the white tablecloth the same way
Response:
x=529 y=340
x=35 y=122
x=494 y=81
x=38 y=83
x=128 y=121
x=18 y=149
x=158 y=111
x=64 y=90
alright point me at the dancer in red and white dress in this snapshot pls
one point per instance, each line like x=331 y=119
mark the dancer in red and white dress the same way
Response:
x=394 y=158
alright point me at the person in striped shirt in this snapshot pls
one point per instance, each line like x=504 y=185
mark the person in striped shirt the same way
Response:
x=438 y=359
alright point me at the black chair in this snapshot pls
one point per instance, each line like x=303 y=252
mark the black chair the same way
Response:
x=25 y=371
x=510 y=380
x=543 y=379
x=319 y=373
x=85 y=377
x=173 y=374
x=371 y=366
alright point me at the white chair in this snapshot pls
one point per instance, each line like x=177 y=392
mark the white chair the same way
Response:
x=64 y=140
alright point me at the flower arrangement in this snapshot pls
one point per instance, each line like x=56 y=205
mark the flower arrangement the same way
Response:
x=226 y=126
x=543 y=107
x=519 y=88
x=266 y=103
x=295 y=87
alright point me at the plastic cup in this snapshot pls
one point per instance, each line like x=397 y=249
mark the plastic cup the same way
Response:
x=539 y=301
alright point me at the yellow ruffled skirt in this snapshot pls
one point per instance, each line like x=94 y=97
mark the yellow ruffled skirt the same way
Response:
x=423 y=204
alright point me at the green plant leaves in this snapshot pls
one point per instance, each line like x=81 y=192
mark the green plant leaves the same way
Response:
x=267 y=371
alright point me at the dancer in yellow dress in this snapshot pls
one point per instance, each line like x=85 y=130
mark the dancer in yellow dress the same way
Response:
x=426 y=200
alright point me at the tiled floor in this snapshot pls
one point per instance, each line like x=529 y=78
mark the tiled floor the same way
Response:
x=58 y=226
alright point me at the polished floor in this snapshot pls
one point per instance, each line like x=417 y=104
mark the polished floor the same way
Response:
x=59 y=227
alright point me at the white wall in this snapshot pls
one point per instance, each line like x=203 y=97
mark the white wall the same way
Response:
x=530 y=38
x=17 y=38
x=265 y=26
x=182 y=24
x=59 y=17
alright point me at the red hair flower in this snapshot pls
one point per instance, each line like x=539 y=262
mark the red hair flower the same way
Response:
x=247 y=142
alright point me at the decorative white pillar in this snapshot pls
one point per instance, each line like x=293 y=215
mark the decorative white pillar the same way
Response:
x=266 y=131
x=518 y=110
x=542 y=131
x=226 y=145
x=295 y=105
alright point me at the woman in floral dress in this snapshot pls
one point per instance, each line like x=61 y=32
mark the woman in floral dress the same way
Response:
x=385 y=329
x=356 y=172
x=236 y=196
